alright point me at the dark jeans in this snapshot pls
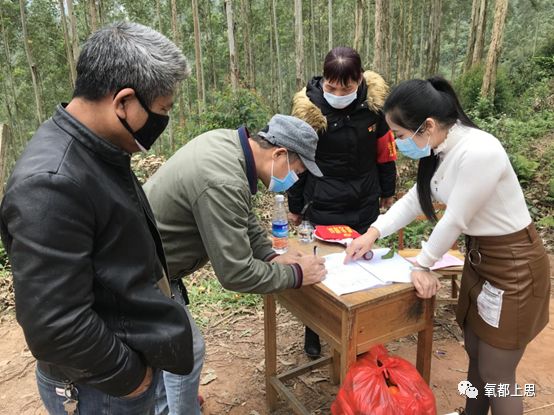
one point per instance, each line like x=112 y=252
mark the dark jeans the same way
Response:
x=91 y=401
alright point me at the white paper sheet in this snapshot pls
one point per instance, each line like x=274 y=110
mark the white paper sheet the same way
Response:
x=349 y=278
x=446 y=261
x=363 y=274
x=395 y=269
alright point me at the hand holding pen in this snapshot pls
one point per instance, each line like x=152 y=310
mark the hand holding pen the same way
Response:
x=313 y=268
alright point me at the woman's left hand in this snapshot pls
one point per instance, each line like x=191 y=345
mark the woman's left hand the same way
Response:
x=425 y=283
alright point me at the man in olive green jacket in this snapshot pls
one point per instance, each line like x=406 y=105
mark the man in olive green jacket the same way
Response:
x=202 y=201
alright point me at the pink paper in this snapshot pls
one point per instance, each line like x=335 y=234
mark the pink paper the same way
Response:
x=446 y=261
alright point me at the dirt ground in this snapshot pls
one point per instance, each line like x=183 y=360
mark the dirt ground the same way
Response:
x=233 y=380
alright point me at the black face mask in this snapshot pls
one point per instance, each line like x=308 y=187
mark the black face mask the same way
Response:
x=153 y=127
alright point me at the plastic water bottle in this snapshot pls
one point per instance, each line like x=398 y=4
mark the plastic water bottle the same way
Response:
x=280 y=226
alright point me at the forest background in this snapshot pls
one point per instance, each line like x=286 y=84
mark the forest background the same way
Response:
x=248 y=57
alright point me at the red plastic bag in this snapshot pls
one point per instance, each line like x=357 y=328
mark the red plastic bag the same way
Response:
x=379 y=384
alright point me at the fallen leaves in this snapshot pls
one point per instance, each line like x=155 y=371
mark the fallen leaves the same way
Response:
x=209 y=377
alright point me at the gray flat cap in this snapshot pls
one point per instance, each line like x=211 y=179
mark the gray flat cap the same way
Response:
x=295 y=135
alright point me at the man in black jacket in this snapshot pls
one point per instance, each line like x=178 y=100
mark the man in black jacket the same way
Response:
x=89 y=269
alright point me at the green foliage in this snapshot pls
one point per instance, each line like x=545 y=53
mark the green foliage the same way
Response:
x=414 y=233
x=4 y=261
x=468 y=88
x=516 y=134
x=524 y=168
x=545 y=64
x=547 y=222
x=551 y=189
x=226 y=109
x=545 y=58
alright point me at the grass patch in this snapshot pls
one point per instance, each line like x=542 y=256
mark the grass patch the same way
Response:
x=210 y=302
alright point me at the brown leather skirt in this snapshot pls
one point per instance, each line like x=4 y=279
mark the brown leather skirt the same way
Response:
x=505 y=288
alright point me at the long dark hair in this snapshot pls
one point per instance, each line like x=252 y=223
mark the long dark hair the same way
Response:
x=409 y=105
x=342 y=64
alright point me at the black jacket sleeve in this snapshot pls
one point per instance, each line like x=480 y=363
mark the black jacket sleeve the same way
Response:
x=387 y=178
x=48 y=231
x=296 y=194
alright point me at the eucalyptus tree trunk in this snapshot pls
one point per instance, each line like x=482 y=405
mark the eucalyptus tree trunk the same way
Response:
x=370 y=30
x=100 y=12
x=32 y=66
x=159 y=16
x=299 y=45
x=455 y=57
x=67 y=43
x=477 y=29
x=400 y=47
x=313 y=42
x=272 y=65
x=74 y=34
x=409 y=39
x=381 y=49
x=495 y=48
x=176 y=33
x=478 y=51
x=174 y=28
x=15 y=114
x=211 y=48
x=433 y=45
x=358 y=25
x=422 y=36
x=330 y=22
x=93 y=15
x=5 y=142
x=231 y=41
x=248 y=54
x=200 y=87
x=388 y=39
x=278 y=56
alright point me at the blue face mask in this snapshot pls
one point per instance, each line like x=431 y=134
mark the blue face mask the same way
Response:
x=340 y=102
x=282 y=185
x=409 y=148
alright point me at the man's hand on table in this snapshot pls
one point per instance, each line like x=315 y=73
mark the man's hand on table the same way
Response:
x=313 y=268
x=289 y=257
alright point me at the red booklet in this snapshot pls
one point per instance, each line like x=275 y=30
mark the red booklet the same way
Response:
x=335 y=232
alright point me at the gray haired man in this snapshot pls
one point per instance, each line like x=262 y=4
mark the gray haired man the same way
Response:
x=89 y=268
x=202 y=201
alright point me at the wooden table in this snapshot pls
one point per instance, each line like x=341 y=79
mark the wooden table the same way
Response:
x=351 y=324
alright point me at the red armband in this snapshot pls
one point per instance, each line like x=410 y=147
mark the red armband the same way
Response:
x=386 y=148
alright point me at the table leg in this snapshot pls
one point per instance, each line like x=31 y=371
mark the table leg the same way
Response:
x=425 y=342
x=335 y=368
x=348 y=344
x=270 y=337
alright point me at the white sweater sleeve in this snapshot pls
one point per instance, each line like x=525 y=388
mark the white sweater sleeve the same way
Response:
x=402 y=213
x=479 y=172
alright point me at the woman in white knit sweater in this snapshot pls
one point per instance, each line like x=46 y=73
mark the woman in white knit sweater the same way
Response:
x=505 y=286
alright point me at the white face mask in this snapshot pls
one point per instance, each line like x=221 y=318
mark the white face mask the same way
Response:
x=340 y=102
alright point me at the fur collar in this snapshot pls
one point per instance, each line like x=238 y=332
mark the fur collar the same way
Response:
x=303 y=108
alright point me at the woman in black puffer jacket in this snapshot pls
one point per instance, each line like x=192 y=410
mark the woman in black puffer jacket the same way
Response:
x=356 y=150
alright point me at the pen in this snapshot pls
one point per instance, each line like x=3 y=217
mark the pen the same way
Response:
x=315 y=250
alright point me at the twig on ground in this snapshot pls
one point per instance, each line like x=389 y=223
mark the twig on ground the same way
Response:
x=538 y=408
